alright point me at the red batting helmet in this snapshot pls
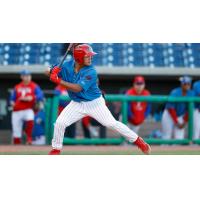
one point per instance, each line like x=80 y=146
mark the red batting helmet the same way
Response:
x=81 y=51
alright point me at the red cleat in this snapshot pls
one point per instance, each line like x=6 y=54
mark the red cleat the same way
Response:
x=16 y=141
x=143 y=146
x=54 y=152
x=29 y=141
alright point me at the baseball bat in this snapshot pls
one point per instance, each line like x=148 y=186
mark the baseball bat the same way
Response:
x=65 y=55
x=71 y=45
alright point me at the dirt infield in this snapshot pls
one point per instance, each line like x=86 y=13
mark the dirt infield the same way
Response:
x=99 y=150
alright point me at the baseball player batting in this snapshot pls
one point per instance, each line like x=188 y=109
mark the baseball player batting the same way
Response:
x=81 y=80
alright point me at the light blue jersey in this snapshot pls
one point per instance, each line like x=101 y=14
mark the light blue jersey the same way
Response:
x=196 y=89
x=87 y=78
x=180 y=108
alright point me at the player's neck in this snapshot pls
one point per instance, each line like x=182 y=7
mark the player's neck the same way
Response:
x=138 y=92
x=26 y=83
x=184 y=92
x=78 y=67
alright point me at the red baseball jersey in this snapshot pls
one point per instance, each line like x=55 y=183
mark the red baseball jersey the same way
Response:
x=21 y=90
x=137 y=109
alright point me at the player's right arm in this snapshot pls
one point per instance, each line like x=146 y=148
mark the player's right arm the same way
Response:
x=171 y=107
x=71 y=86
x=55 y=78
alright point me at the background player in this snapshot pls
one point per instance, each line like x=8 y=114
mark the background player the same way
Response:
x=38 y=134
x=80 y=79
x=138 y=111
x=175 y=115
x=23 y=99
x=196 y=133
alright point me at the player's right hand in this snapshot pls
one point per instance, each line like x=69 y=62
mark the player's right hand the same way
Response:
x=181 y=125
x=55 y=79
x=12 y=104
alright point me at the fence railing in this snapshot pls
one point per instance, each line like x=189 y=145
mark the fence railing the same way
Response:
x=52 y=104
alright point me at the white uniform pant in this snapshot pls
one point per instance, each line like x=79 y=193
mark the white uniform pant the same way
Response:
x=196 y=133
x=18 y=118
x=169 y=128
x=96 y=109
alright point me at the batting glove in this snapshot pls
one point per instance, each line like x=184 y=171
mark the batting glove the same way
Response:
x=52 y=67
x=55 y=79
x=55 y=70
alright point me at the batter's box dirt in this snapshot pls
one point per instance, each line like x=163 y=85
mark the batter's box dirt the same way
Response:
x=98 y=150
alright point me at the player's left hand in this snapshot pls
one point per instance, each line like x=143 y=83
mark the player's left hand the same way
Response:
x=49 y=70
x=54 y=75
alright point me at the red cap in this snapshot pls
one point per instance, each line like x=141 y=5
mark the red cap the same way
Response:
x=139 y=79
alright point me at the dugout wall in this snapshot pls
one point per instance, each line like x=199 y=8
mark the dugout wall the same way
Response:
x=52 y=111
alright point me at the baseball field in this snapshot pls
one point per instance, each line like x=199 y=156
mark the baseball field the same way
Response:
x=99 y=150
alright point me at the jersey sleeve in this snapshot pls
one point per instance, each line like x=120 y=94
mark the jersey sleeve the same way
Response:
x=39 y=94
x=148 y=110
x=173 y=115
x=13 y=96
x=57 y=92
x=130 y=113
x=89 y=78
x=43 y=117
x=196 y=89
x=170 y=105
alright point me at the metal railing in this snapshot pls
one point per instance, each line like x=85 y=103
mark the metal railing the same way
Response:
x=52 y=113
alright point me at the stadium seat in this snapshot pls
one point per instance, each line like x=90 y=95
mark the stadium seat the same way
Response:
x=109 y=54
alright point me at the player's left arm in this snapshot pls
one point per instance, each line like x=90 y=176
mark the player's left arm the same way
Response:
x=13 y=97
x=39 y=96
x=71 y=86
x=148 y=110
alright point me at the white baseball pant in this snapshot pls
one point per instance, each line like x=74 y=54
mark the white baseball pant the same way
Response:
x=18 y=118
x=98 y=110
x=196 y=133
x=169 y=127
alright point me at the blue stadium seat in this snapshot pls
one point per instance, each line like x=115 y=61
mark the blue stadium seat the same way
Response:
x=109 y=54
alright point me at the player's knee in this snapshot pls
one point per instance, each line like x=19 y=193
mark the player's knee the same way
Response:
x=59 y=125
